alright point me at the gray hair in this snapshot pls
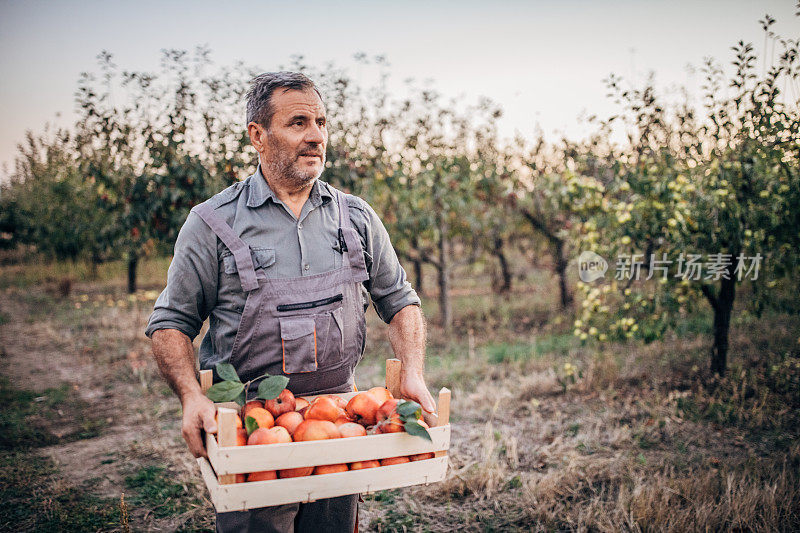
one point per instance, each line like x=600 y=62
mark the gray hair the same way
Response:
x=259 y=96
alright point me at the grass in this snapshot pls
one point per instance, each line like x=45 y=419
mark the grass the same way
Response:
x=38 y=272
x=155 y=489
x=34 y=496
x=399 y=521
x=36 y=499
x=700 y=323
x=28 y=417
x=546 y=345
x=19 y=407
x=504 y=352
x=627 y=492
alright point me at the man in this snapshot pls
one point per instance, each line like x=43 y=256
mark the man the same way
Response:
x=281 y=264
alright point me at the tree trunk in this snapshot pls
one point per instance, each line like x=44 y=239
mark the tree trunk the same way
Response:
x=560 y=256
x=95 y=264
x=418 y=277
x=133 y=260
x=559 y=250
x=722 y=304
x=417 y=269
x=444 y=276
x=722 y=325
x=505 y=270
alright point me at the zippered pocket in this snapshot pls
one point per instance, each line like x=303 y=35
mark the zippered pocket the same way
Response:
x=282 y=308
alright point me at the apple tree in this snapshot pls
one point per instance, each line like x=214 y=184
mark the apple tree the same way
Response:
x=141 y=152
x=46 y=194
x=702 y=206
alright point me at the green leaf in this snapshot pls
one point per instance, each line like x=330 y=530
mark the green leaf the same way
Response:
x=414 y=428
x=271 y=387
x=241 y=399
x=227 y=372
x=225 y=391
x=408 y=408
x=250 y=424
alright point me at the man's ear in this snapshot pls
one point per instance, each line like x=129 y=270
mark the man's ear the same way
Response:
x=258 y=136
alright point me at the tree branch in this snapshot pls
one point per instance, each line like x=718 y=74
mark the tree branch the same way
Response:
x=423 y=256
x=540 y=226
x=710 y=296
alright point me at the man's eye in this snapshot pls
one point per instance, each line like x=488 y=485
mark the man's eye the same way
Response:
x=297 y=123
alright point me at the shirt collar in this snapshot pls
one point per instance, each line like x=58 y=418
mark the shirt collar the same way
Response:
x=260 y=191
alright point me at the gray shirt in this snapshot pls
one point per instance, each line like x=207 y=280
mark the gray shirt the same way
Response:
x=202 y=280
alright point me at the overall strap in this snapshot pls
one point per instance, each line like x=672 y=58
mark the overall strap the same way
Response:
x=349 y=240
x=239 y=248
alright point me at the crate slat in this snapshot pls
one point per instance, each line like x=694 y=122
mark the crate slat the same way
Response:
x=242 y=459
x=241 y=496
x=226 y=433
x=393 y=367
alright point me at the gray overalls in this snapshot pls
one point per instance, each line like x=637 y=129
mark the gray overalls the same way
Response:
x=311 y=329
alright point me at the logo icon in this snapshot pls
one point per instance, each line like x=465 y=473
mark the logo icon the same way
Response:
x=591 y=266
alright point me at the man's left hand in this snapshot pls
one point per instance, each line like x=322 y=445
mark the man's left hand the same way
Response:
x=412 y=387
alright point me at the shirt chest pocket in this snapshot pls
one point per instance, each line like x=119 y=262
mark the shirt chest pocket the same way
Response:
x=262 y=258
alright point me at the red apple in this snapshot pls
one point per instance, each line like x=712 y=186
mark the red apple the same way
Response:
x=300 y=403
x=362 y=408
x=273 y=435
x=360 y=465
x=323 y=408
x=344 y=419
x=262 y=417
x=250 y=405
x=284 y=403
x=351 y=429
x=290 y=421
x=330 y=469
x=388 y=421
x=394 y=461
x=381 y=394
x=316 y=430
x=295 y=472
x=264 y=475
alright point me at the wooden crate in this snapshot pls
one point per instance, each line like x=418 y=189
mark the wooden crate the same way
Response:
x=225 y=459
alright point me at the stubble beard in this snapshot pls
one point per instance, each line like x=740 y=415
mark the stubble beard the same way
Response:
x=283 y=168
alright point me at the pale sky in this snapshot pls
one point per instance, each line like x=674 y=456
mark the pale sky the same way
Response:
x=543 y=61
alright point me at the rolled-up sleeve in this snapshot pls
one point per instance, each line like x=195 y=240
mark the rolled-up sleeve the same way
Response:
x=192 y=279
x=388 y=287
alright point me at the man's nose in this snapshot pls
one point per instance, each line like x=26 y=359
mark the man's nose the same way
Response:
x=315 y=134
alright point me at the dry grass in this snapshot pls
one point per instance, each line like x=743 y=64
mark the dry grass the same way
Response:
x=642 y=440
x=584 y=468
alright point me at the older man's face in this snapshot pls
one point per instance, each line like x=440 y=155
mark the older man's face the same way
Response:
x=294 y=151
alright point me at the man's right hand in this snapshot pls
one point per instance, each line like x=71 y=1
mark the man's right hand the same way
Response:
x=198 y=413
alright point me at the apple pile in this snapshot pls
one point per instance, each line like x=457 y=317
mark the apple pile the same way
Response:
x=288 y=419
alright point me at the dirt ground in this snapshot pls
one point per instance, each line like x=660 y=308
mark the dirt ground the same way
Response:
x=639 y=442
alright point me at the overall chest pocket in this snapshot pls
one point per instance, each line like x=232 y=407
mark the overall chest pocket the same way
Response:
x=313 y=341
x=230 y=296
x=262 y=258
